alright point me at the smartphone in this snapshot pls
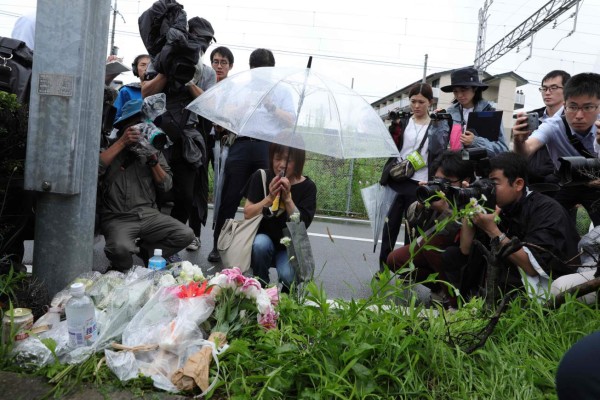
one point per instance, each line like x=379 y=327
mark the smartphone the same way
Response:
x=533 y=121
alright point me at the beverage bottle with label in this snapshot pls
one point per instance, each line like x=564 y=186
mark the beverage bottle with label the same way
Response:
x=157 y=262
x=81 y=317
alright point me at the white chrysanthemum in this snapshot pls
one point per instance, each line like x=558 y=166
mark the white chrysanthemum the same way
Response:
x=285 y=241
x=295 y=217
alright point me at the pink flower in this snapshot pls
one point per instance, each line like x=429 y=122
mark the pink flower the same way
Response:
x=234 y=275
x=251 y=288
x=273 y=293
x=268 y=320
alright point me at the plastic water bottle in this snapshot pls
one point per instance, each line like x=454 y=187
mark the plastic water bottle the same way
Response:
x=157 y=262
x=81 y=317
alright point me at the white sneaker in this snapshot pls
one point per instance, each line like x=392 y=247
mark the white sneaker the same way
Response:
x=195 y=245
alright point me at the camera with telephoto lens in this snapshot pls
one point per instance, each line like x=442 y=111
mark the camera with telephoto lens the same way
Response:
x=575 y=171
x=440 y=115
x=153 y=139
x=481 y=187
x=459 y=196
x=430 y=190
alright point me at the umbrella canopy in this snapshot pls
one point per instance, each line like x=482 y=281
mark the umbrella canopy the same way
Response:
x=378 y=200
x=327 y=117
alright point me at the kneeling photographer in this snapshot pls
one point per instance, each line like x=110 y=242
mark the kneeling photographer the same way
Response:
x=533 y=218
x=130 y=172
x=450 y=171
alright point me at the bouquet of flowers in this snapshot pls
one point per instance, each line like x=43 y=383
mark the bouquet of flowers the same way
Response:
x=238 y=301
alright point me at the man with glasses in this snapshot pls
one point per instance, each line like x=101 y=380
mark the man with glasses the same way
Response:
x=541 y=167
x=221 y=60
x=570 y=135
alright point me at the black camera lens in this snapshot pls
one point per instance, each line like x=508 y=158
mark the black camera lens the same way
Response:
x=430 y=190
x=578 y=170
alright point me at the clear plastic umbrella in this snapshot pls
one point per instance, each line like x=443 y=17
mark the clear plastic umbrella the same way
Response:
x=378 y=200
x=324 y=116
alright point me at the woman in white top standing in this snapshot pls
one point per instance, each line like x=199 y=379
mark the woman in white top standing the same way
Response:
x=419 y=140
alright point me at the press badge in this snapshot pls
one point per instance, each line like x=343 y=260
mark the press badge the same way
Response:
x=416 y=160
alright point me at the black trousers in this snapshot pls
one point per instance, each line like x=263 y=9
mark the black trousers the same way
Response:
x=245 y=157
x=406 y=195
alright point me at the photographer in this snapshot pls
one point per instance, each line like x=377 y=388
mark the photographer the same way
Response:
x=570 y=135
x=533 y=218
x=450 y=171
x=127 y=198
x=420 y=141
x=188 y=156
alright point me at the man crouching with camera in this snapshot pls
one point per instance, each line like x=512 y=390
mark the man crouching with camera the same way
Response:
x=450 y=171
x=127 y=197
x=538 y=221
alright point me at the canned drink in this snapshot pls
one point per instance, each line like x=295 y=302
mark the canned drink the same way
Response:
x=22 y=320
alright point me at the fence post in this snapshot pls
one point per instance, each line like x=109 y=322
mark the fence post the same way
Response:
x=349 y=192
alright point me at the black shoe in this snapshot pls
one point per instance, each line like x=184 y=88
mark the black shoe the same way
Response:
x=214 y=256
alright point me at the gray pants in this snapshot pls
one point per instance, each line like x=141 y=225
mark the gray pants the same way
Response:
x=155 y=230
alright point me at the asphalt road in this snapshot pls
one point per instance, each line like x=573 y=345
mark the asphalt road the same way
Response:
x=342 y=248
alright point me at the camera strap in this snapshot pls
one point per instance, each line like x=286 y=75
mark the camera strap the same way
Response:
x=575 y=141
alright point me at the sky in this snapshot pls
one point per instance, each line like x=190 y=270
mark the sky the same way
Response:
x=376 y=48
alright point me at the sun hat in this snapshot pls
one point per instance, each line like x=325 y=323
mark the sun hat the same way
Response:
x=464 y=77
x=130 y=110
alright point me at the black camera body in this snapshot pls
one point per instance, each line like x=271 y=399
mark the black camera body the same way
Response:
x=440 y=115
x=575 y=171
x=430 y=190
x=459 y=196
x=481 y=187
x=397 y=114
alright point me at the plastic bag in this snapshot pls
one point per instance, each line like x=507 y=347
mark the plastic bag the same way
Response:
x=122 y=363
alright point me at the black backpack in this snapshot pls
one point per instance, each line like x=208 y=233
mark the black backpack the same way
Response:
x=16 y=60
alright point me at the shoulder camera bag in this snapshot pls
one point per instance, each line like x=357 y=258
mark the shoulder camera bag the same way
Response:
x=236 y=238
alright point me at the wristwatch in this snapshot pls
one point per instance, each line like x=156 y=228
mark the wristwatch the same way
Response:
x=498 y=239
x=152 y=161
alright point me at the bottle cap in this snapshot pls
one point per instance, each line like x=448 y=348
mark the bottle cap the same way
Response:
x=77 y=288
x=158 y=252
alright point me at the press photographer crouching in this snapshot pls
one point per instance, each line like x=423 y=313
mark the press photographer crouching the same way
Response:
x=533 y=218
x=450 y=171
x=130 y=172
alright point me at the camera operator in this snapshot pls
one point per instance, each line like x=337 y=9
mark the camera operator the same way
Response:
x=188 y=156
x=530 y=216
x=450 y=171
x=127 y=198
x=571 y=135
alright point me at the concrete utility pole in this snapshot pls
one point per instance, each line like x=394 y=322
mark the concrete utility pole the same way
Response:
x=114 y=49
x=539 y=19
x=64 y=135
x=425 y=70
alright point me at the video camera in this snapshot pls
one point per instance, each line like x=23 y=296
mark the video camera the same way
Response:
x=459 y=196
x=397 y=114
x=440 y=115
x=575 y=171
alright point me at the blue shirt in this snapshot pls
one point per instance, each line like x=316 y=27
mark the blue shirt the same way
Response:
x=553 y=134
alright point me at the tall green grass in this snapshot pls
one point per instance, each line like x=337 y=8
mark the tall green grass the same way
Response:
x=383 y=351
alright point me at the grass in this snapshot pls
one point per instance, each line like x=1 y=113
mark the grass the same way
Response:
x=372 y=349
x=323 y=352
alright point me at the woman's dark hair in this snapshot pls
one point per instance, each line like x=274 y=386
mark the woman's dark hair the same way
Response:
x=423 y=89
x=262 y=58
x=224 y=51
x=298 y=155
x=476 y=98
x=513 y=166
x=452 y=164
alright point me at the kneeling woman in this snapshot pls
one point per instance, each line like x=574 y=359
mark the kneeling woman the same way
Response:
x=297 y=193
